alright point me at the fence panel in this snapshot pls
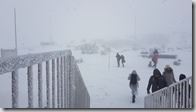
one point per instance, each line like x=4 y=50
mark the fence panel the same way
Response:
x=67 y=83
x=178 y=95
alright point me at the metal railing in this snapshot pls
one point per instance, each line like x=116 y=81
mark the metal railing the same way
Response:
x=66 y=89
x=178 y=95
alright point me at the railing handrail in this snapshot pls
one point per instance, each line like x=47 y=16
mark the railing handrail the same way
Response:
x=9 y=64
x=169 y=97
x=181 y=81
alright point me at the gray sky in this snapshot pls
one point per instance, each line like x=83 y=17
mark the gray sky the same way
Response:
x=65 y=20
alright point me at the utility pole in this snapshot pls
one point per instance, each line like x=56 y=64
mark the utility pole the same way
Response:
x=109 y=60
x=15 y=73
x=135 y=32
x=16 y=48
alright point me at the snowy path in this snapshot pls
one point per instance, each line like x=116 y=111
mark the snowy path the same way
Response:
x=108 y=88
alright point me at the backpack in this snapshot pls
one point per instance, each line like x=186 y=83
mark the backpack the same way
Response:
x=133 y=79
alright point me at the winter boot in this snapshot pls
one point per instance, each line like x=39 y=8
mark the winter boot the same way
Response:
x=133 y=99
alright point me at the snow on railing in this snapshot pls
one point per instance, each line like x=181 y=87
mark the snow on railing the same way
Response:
x=67 y=83
x=173 y=96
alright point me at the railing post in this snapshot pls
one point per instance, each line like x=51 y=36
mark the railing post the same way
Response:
x=69 y=82
x=61 y=81
x=169 y=97
x=183 y=94
x=15 y=89
x=66 y=81
x=48 y=83
x=177 y=95
x=58 y=87
x=53 y=83
x=30 y=87
x=72 y=83
x=191 y=93
x=40 y=85
x=180 y=104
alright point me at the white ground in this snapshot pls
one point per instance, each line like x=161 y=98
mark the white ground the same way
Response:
x=108 y=84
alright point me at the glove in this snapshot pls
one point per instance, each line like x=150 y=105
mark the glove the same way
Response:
x=148 y=92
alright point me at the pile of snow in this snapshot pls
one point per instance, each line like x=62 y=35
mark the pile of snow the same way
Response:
x=88 y=48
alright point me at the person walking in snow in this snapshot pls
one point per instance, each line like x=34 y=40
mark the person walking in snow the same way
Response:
x=170 y=79
x=155 y=51
x=122 y=60
x=185 y=96
x=169 y=75
x=118 y=59
x=155 y=58
x=156 y=81
x=133 y=84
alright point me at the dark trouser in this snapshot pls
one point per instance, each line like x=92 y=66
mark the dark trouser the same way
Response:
x=133 y=99
x=155 y=64
x=123 y=64
x=118 y=62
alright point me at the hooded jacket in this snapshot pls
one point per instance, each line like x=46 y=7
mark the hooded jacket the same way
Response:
x=156 y=81
x=169 y=75
x=134 y=86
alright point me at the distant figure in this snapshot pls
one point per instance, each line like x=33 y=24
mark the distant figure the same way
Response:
x=157 y=81
x=155 y=51
x=118 y=59
x=155 y=57
x=133 y=84
x=181 y=96
x=169 y=75
x=122 y=60
x=177 y=62
x=150 y=64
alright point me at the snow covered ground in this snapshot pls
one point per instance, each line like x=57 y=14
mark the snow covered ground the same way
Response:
x=107 y=84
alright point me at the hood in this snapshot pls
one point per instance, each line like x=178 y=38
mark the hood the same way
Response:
x=156 y=71
x=134 y=72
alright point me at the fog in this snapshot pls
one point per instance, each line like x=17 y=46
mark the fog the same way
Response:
x=63 y=21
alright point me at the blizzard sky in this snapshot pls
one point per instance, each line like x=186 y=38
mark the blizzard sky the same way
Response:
x=66 y=20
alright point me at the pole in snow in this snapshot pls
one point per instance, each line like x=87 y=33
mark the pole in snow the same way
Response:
x=15 y=31
x=109 y=60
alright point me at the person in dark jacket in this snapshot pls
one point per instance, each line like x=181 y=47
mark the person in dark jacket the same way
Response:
x=118 y=59
x=122 y=60
x=184 y=97
x=134 y=78
x=157 y=81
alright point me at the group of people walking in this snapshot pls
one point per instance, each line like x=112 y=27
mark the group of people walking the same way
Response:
x=120 y=57
x=156 y=82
